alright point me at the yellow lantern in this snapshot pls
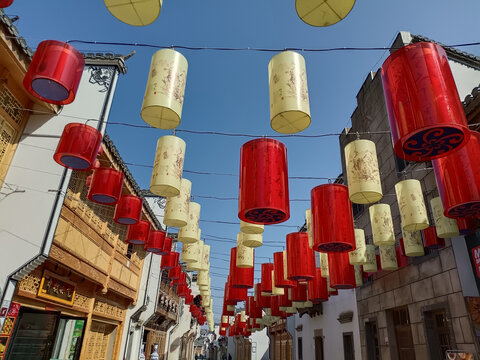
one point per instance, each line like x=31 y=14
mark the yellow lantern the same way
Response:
x=135 y=12
x=202 y=277
x=285 y=269
x=445 y=227
x=206 y=258
x=388 y=257
x=230 y=307
x=322 y=13
x=411 y=204
x=276 y=290
x=225 y=319
x=382 y=224
x=363 y=176
x=206 y=301
x=176 y=208
x=324 y=265
x=252 y=240
x=197 y=266
x=308 y=217
x=242 y=316
x=248 y=228
x=291 y=310
x=191 y=252
x=358 y=256
x=244 y=254
x=358 y=275
x=371 y=265
x=289 y=104
x=413 y=243
x=189 y=233
x=168 y=166
x=308 y=304
x=329 y=289
x=163 y=100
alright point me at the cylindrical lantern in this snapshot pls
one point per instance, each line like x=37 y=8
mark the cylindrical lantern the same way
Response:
x=135 y=13
x=427 y=119
x=317 y=288
x=197 y=265
x=263 y=196
x=78 y=146
x=289 y=103
x=371 y=265
x=431 y=240
x=331 y=291
x=240 y=277
x=245 y=255
x=300 y=257
x=466 y=225
x=413 y=212
x=324 y=265
x=412 y=243
x=205 y=257
x=163 y=100
x=235 y=295
x=252 y=240
x=358 y=275
x=267 y=277
x=167 y=245
x=128 y=210
x=364 y=186
x=382 y=224
x=358 y=256
x=342 y=274
x=321 y=13
x=156 y=239
x=189 y=233
x=284 y=302
x=402 y=259
x=248 y=228
x=5 y=3
x=299 y=293
x=202 y=277
x=106 y=186
x=279 y=269
x=458 y=180
x=445 y=227
x=54 y=73
x=276 y=290
x=308 y=220
x=170 y=261
x=177 y=207
x=388 y=257
x=332 y=218
x=191 y=253
x=168 y=166
x=138 y=233
x=174 y=273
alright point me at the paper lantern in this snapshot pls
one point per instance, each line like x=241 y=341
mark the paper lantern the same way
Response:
x=324 y=265
x=427 y=119
x=331 y=291
x=284 y=302
x=54 y=73
x=289 y=104
x=191 y=253
x=364 y=186
x=332 y=218
x=78 y=146
x=245 y=255
x=382 y=224
x=5 y=3
x=402 y=259
x=412 y=243
x=240 y=277
x=189 y=233
x=167 y=245
x=279 y=271
x=135 y=12
x=196 y=265
x=358 y=275
x=164 y=95
x=445 y=227
x=388 y=257
x=322 y=13
x=308 y=220
x=235 y=295
x=168 y=166
x=177 y=207
x=248 y=228
x=205 y=257
x=170 y=261
x=267 y=277
x=458 y=180
x=342 y=274
x=466 y=225
x=138 y=233
x=291 y=310
x=300 y=257
x=413 y=212
x=156 y=239
x=263 y=195
x=128 y=210
x=431 y=240
x=276 y=290
x=202 y=278
x=106 y=187
x=358 y=256
x=371 y=265
x=299 y=293
x=317 y=288
x=252 y=240
x=174 y=273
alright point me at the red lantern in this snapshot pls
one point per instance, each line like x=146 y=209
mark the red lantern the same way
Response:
x=78 y=146
x=431 y=240
x=427 y=119
x=174 y=273
x=128 y=210
x=274 y=306
x=222 y=332
x=317 y=288
x=181 y=280
x=267 y=269
x=189 y=299
x=234 y=295
x=332 y=219
x=155 y=242
x=333 y=293
x=225 y=309
x=342 y=274
x=466 y=225
x=278 y=273
x=138 y=233
x=458 y=180
x=167 y=245
x=170 y=261
x=300 y=257
x=402 y=260
x=5 y=3
x=299 y=292
x=54 y=72
x=240 y=277
x=263 y=196
x=284 y=302
x=182 y=290
x=106 y=186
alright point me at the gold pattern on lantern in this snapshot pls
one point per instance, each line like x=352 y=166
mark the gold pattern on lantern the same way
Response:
x=413 y=243
x=358 y=256
x=308 y=217
x=358 y=275
x=322 y=13
x=135 y=12
x=388 y=257
x=197 y=266
x=165 y=91
x=324 y=265
x=371 y=265
x=202 y=277
x=382 y=224
x=189 y=233
x=191 y=252
x=445 y=227
x=276 y=290
x=289 y=103
x=168 y=166
x=245 y=255
x=176 y=207
x=413 y=212
x=248 y=228
x=363 y=176
x=206 y=258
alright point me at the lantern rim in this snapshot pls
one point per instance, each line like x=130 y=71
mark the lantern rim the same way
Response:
x=311 y=23
x=154 y=11
x=100 y=197
x=282 y=123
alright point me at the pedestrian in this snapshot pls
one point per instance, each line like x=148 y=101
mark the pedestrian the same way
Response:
x=229 y=357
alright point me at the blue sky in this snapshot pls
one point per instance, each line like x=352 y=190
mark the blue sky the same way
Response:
x=228 y=91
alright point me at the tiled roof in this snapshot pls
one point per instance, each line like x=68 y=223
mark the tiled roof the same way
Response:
x=472 y=100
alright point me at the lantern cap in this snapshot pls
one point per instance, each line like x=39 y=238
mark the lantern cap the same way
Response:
x=321 y=13
x=135 y=12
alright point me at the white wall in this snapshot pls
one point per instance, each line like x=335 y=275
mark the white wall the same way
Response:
x=466 y=78
x=261 y=342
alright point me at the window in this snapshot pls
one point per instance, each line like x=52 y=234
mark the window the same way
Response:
x=438 y=333
x=300 y=348
x=348 y=350
x=371 y=337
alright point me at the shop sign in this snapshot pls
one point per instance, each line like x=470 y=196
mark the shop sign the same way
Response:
x=56 y=288
x=8 y=325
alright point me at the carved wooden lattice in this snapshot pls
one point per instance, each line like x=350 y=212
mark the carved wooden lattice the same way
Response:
x=11 y=105
x=98 y=341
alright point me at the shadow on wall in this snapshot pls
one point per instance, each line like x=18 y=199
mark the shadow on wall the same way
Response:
x=175 y=345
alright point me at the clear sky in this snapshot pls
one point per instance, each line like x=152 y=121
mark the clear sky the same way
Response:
x=228 y=91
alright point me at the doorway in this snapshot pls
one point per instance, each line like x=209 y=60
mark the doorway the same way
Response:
x=318 y=347
x=438 y=333
x=371 y=337
x=403 y=334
